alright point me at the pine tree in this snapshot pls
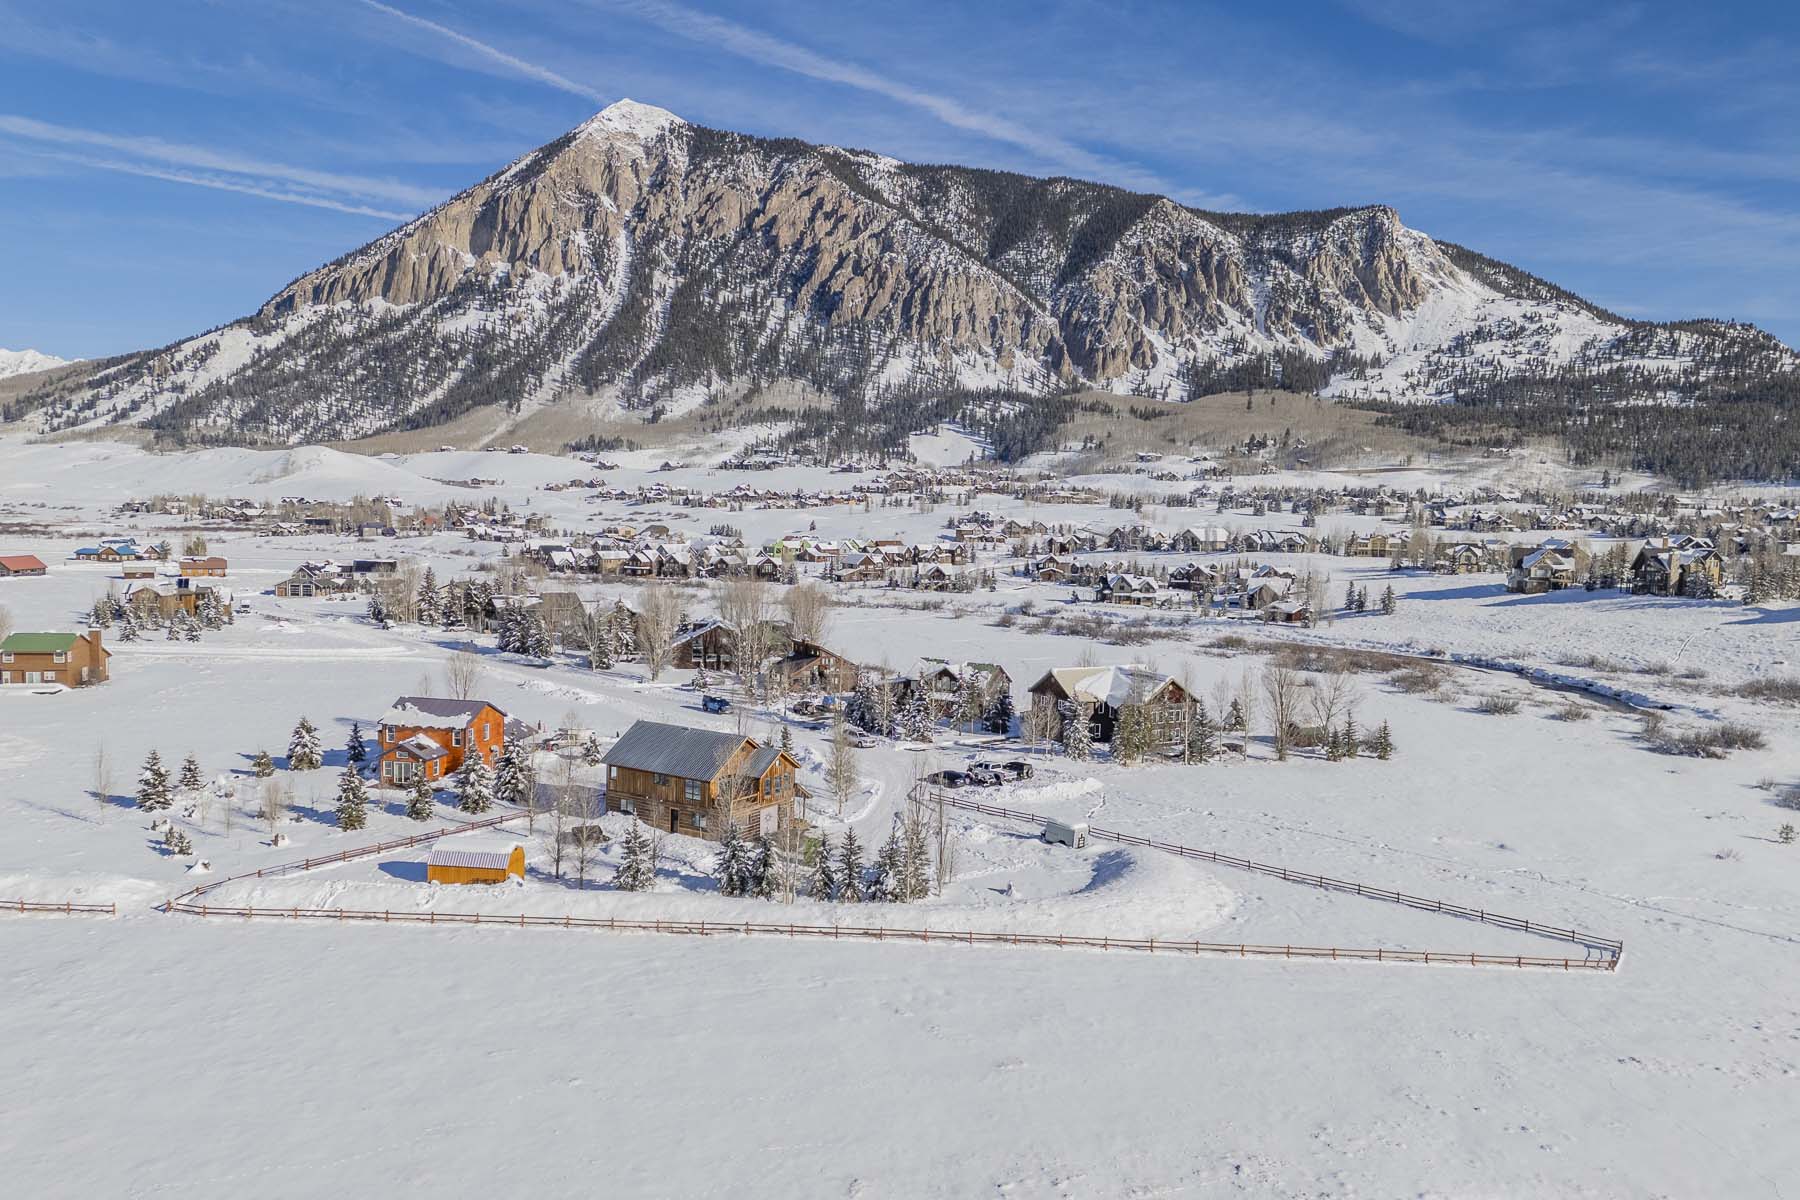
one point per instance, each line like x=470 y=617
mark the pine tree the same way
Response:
x=1077 y=736
x=533 y=637
x=515 y=782
x=732 y=867
x=1350 y=597
x=1202 y=735
x=262 y=766
x=153 y=785
x=1334 y=744
x=765 y=868
x=915 y=718
x=914 y=882
x=475 y=784
x=303 y=748
x=1352 y=736
x=378 y=611
x=128 y=627
x=823 y=885
x=787 y=738
x=427 y=600
x=999 y=715
x=1389 y=601
x=970 y=699
x=506 y=630
x=1234 y=716
x=421 y=802
x=212 y=611
x=178 y=842
x=851 y=869
x=354 y=750
x=173 y=633
x=884 y=878
x=624 y=632
x=1131 y=736
x=1383 y=742
x=101 y=616
x=637 y=872
x=189 y=780
x=353 y=800
x=190 y=628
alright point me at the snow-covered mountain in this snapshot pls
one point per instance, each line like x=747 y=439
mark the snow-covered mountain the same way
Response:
x=644 y=262
x=26 y=362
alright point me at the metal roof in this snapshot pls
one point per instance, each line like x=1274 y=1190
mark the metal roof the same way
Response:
x=491 y=860
x=434 y=712
x=675 y=750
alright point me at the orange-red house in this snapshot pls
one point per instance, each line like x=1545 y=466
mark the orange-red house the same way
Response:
x=21 y=564
x=426 y=737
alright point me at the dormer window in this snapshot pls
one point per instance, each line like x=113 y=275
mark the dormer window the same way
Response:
x=456 y=738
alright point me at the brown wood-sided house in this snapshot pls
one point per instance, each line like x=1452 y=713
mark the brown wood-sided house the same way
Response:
x=72 y=659
x=211 y=566
x=811 y=667
x=696 y=781
x=1105 y=692
x=426 y=737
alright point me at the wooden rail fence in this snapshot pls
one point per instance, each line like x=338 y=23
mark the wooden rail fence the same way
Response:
x=1609 y=947
x=61 y=906
x=885 y=934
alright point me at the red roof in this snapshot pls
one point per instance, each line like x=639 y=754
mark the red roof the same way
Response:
x=21 y=562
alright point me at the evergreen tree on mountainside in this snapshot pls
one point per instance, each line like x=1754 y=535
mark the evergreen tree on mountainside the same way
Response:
x=262 y=766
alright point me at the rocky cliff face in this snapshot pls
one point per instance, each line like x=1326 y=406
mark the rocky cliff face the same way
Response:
x=649 y=261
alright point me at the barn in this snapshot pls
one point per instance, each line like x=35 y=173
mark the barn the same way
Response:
x=444 y=865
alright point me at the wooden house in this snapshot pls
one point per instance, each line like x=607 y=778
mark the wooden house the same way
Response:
x=447 y=865
x=71 y=659
x=208 y=566
x=15 y=565
x=811 y=667
x=428 y=737
x=696 y=781
x=1688 y=567
x=1105 y=692
x=1551 y=566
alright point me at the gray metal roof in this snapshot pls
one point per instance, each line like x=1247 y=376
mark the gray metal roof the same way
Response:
x=674 y=750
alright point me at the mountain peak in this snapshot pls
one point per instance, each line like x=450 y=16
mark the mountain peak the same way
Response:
x=630 y=117
x=25 y=362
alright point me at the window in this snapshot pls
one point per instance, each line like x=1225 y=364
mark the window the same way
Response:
x=699 y=820
x=61 y=656
x=691 y=791
x=484 y=731
x=456 y=737
x=49 y=676
x=386 y=734
x=628 y=805
x=6 y=657
x=661 y=779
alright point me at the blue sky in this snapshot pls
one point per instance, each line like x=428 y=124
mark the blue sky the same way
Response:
x=165 y=167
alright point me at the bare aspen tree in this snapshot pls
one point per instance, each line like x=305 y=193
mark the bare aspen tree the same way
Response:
x=593 y=625
x=746 y=612
x=946 y=854
x=274 y=803
x=558 y=829
x=403 y=597
x=809 y=611
x=659 y=615
x=587 y=836
x=1331 y=697
x=462 y=672
x=102 y=778
x=1039 y=724
x=6 y=622
x=840 y=768
x=1282 y=687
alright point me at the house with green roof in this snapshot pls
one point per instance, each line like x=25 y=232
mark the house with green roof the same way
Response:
x=65 y=659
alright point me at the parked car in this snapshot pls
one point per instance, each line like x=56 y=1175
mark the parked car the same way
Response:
x=947 y=779
x=1018 y=768
x=983 y=775
x=864 y=741
x=715 y=704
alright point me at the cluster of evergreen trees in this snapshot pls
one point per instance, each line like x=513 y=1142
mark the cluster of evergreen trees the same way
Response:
x=900 y=874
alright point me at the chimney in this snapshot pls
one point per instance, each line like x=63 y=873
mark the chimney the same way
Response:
x=94 y=636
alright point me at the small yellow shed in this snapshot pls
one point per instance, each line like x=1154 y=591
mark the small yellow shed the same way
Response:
x=474 y=866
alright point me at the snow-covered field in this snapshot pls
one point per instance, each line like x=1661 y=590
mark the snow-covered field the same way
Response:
x=153 y=1053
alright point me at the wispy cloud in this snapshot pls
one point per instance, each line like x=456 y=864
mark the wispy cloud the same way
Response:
x=511 y=62
x=202 y=166
x=751 y=44
x=219 y=184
